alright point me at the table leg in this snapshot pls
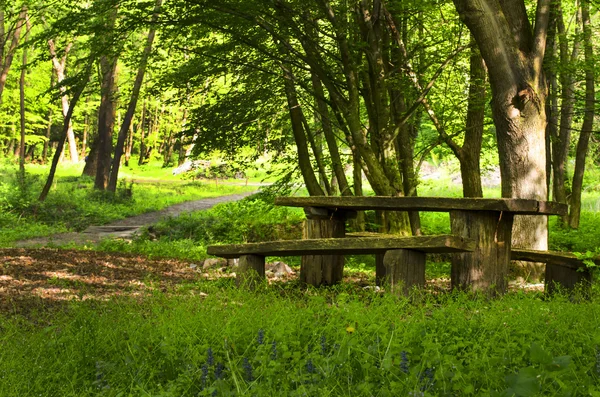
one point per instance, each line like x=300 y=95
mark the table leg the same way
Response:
x=319 y=270
x=251 y=271
x=405 y=269
x=486 y=268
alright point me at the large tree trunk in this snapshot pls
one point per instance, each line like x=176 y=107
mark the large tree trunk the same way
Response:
x=137 y=86
x=588 y=118
x=59 y=67
x=514 y=53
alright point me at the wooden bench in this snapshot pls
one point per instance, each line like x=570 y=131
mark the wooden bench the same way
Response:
x=563 y=269
x=487 y=221
x=404 y=257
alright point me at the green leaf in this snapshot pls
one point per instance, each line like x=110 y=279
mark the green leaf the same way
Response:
x=525 y=383
x=539 y=355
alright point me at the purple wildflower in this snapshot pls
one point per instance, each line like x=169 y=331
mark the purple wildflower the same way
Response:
x=219 y=371
x=247 y=370
x=403 y=362
x=210 y=358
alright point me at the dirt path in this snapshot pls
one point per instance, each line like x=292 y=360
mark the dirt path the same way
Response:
x=125 y=228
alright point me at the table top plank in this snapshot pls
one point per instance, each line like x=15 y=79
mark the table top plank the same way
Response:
x=436 y=204
x=346 y=246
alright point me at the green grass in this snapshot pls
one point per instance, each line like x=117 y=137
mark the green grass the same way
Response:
x=284 y=341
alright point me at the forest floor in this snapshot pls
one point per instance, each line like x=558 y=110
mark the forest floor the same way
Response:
x=126 y=228
x=35 y=278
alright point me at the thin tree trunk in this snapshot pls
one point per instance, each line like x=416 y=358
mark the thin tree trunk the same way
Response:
x=296 y=116
x=471 y=150
x=59 y=69
x=588 y=118
x=22 y=106
x=142 y=135
x=5 y=66
x=562 y=141
x=137 y=85
x=129 y=144
x=63 y=137
x=84 y=138
x=332 y=145
x=552 y=112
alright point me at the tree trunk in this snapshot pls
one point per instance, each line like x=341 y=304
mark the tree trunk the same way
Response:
x=588 y=118
x=84 y=138
x=142 y=134
x=59 y=67
x=22 y=105
x=137 y=86
x=296 y=116
x=91 y=162
x=471 y=150
x=514 y=53
x=63 y=137
x=129 y=144
x=552 y=112
x=562 y=141
x=106 y=120
x=7 y=61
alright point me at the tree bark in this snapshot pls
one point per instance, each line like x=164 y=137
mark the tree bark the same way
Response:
x=296 y=116
x=588 y=118
x=137 y=86
x=59 y=67
x=514 y=53
x=142 y=135
x=22 y=105
x=8 y=58
x=470 y=169
x=106 y=120
x=63 y=137
x=562 y=140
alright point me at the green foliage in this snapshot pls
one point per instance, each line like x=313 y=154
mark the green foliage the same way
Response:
x=340 y=341
x=586 y=238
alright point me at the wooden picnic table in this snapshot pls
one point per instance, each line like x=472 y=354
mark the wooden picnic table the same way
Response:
x=487 y=221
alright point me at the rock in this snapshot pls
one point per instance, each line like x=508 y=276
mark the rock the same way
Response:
x=193 y=266
x=278 y=269
x=374 y=288
x=211 y=263
x=233 y=263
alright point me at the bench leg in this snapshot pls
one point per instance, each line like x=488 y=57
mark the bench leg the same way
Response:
x=565 y=277
x=251 y=271
x=405 y=269
x=380 y=272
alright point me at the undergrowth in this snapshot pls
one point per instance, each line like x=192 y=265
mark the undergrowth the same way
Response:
x=73 y=204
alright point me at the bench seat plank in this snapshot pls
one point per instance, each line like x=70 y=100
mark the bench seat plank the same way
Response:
x=348 y=246
x=436 y=204
x=556 y=257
